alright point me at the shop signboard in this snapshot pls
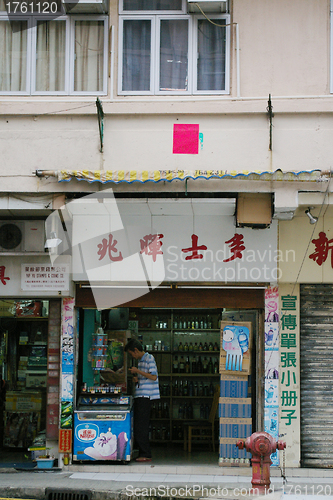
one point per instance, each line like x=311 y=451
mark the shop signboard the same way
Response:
x=289 y=427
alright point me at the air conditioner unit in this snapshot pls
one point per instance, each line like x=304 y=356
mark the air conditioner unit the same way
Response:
x=22 y=236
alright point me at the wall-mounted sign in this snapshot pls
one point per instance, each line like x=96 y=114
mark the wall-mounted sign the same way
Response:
x=45 y=277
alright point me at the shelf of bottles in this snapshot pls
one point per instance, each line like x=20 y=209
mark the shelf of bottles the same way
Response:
x=189 y=345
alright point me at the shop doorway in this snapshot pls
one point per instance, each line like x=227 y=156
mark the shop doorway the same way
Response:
x=23 y=355
x=186 y=344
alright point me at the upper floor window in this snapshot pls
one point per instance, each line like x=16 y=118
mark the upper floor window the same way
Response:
x=63 y=56
x=163 y=50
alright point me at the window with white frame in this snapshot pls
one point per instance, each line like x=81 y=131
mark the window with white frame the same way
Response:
x=67 y=55
x=164 y=50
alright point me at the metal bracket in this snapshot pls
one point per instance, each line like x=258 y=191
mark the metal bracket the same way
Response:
x=100 y=115
x=270 y=117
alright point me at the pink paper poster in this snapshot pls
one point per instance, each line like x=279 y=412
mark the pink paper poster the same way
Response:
x=185 y=139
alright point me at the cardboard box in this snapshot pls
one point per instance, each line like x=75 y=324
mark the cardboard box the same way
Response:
x=7 y=308
x=233 y=386
x=235 y=407
x=235 y=427
x=228 y=449
x=15 y=402
x=35 y=380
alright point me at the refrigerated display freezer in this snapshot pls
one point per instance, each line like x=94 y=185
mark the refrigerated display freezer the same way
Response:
x=103 y=428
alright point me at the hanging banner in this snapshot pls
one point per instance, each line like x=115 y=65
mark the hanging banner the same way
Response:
x=289 y=425
x=271 y=412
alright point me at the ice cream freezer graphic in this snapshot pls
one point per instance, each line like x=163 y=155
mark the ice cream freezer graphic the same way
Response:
x=103 y=428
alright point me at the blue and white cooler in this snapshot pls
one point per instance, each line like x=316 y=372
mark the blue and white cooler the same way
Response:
x=103 y=428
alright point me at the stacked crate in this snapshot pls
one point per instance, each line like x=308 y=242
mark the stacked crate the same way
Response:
x=235 y=410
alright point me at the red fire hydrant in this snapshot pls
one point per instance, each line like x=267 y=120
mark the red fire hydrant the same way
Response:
x=261 y=445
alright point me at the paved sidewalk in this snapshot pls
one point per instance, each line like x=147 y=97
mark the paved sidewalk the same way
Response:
x=134 y=484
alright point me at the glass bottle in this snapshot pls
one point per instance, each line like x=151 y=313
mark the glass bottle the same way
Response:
x=175 y=365
x=216 y=366
x=200 y=347
x=190 y=347
x=199 y=365
x=180 y=411
x=190 y=388
x=210 y=366
x=180 y=347
x=182 y=365
x=194 y=365
x=165 y=410
x=186 y=347
x=175 y=322
x=196 y=323
x=195 y=389
x=202 y=411
x=205 y=347
x=185 y=388
x=196 y=348
x=205 y=365
x=175 y=388
x=187 y=365
x=180 y=391
x=216 y=347
x=210 y=347
x=190 y=411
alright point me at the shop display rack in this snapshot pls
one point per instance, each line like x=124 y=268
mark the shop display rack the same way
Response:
x=186 y=347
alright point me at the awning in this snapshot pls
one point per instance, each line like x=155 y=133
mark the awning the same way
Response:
x=129 y=176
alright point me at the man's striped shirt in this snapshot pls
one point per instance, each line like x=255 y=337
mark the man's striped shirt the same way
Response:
x=145 y=386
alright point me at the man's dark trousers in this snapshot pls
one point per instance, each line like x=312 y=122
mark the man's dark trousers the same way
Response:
x=141 y=426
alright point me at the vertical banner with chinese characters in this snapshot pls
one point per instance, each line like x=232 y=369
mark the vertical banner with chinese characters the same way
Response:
x=67 y=363
x=53 y=362
x=271 y=421
x=290 y=372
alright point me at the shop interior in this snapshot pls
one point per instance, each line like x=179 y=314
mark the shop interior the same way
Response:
x=23 y=360
x=186 y=344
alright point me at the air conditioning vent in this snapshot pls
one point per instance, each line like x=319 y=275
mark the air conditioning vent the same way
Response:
x=11 y=237
x=22 y=236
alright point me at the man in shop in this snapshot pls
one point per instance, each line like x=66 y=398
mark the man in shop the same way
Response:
x=145 y=377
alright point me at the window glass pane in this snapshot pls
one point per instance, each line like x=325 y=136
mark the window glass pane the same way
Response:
x=136 y=55
x=152 y=4
x=211 y=55
x=89 y=56
x=13 y=60
x=174 y=55
x=50 y=64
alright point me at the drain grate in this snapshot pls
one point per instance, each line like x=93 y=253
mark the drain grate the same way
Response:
x=61 y=494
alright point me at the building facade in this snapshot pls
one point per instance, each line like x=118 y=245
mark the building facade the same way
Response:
x=199 y=123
